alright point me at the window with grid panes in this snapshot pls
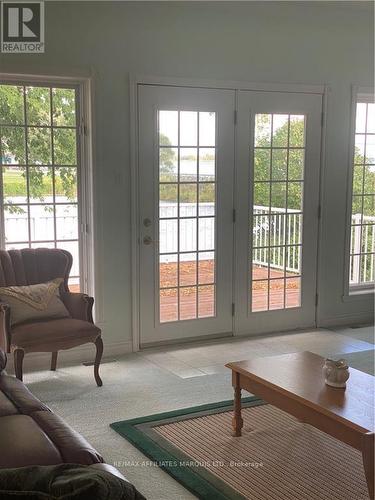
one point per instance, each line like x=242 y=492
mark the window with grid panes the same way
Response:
x=362 y=234
x=40 y=169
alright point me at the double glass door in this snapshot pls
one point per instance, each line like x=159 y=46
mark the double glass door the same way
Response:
x=227 y=211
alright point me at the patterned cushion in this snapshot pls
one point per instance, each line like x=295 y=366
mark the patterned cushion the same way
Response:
x=34 y=302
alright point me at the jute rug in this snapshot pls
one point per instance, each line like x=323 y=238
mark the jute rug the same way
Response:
x=276 y=458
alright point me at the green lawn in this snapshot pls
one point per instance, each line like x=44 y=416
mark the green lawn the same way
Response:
x=14 y=184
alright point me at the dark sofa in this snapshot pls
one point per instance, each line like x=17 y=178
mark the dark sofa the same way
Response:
x=32 y=435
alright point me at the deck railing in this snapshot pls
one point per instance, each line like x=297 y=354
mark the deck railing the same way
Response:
x=275 y=229
x=41 y=228
x=362 y=248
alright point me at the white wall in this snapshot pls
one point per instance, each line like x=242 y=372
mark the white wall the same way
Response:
x=300 y=42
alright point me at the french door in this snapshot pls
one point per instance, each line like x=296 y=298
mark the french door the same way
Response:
x=278 y=163
x=228 y=229
x=186 y=167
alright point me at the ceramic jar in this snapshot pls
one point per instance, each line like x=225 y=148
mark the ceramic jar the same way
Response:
x=336 y=373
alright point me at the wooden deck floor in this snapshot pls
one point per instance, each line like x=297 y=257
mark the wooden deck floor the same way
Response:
x=198 y=301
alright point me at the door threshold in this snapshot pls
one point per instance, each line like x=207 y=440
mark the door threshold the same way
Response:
x=187 y=340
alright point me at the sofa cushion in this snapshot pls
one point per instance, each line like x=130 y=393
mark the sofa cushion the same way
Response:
x=24 y=443
x=7 y=407
x=63 y=482
x=34 y=302
x=53 y=335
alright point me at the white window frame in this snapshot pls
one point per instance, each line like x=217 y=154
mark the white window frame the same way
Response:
x=85 y=158
x=359 y=94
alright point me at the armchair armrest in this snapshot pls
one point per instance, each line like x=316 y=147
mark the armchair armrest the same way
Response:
x=5 y=326
x=3 y=360
x=79 y=305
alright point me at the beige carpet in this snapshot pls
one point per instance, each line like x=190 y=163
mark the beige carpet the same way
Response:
x=277 y=457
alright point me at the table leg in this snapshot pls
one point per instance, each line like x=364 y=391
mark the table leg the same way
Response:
x=368 y=461
x=237 y=422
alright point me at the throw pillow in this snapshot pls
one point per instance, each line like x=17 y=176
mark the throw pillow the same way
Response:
x=34 y=302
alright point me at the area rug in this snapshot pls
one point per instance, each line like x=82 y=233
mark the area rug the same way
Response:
x=276 y=458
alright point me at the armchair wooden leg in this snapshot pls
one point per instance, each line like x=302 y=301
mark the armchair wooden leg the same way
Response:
x=18 y=361
x=98 y=357
x=54 y=361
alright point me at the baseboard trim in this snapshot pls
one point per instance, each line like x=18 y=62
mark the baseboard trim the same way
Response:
x=36 y=361
x=275 y=331
x=347 y=320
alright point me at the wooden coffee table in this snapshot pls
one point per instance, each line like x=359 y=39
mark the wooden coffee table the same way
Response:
x=295 y=383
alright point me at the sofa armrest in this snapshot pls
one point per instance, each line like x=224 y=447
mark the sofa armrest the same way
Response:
x=5 y=326
x=130 y=491
x=72 y=446
x=108 y=468
x=79 y=305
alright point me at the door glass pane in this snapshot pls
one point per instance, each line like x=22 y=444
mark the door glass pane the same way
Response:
x=259 y=295
x=206 y=164
x=188 y=128
x=168 y=165
x=206 y=301
x=279 y=152
x=188 y=269
x=206 y=268
x=207 y=198
x=168 y=128
x=207 y=129
x=187 y=187
x=188 y=302
x=168 y=271
x=188 y=200
x=188 y=164
x=168 y=200
x=168 y=304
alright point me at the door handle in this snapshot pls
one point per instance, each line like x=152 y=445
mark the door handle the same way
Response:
x=147 y=240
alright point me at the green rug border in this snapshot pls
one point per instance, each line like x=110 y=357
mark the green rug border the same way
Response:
x=186 y=476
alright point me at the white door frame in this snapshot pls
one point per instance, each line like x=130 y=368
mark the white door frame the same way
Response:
x=134 y=81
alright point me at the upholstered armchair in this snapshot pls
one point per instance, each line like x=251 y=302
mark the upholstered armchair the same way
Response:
x=33 y=266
